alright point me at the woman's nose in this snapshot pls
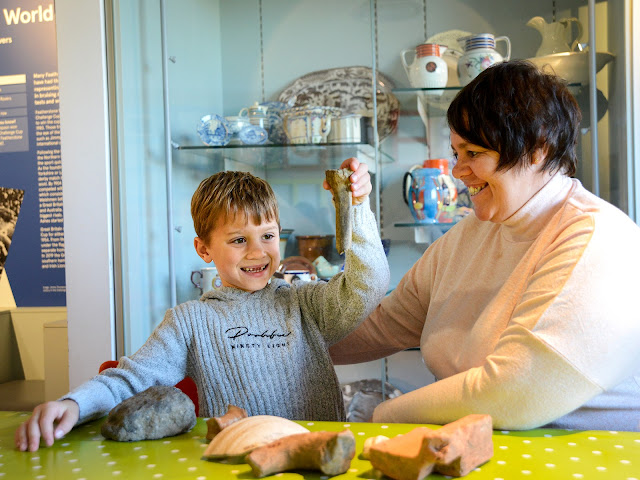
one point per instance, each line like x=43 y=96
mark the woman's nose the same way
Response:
x=458 y=169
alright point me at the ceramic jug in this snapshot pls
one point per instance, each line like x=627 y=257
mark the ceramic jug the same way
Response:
x=423 y=194
x=479 y=54
x=428 y=69
x=555 y=35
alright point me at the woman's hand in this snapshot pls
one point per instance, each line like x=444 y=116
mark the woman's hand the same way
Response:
x=62 y=415
x=360 y=180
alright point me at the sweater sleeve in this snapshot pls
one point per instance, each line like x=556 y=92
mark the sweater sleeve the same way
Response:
x=160 y=361
x=338 y=306
x=570 y=337
x=396 y=324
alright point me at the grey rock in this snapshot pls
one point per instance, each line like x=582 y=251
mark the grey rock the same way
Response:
x=157 y=412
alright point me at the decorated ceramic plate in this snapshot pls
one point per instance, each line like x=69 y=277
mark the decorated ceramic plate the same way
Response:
x=214 y=130
x=348 y=88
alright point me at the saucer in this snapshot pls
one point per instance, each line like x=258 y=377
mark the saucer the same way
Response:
x=214 y=130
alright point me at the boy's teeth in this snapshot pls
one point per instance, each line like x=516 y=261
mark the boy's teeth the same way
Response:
x=254 y=270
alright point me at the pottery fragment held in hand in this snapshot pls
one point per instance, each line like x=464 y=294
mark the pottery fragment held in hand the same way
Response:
x=339 y=182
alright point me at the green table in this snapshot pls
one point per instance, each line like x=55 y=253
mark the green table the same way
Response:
x=532 y=454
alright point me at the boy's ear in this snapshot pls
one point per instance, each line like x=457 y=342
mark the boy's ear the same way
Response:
x=201 y=249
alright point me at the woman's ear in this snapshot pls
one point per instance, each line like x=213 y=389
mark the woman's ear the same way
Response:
x=201 y=249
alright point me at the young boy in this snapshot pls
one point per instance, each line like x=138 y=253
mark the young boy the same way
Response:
x=258 y=342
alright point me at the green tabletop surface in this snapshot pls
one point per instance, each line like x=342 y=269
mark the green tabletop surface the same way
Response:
x=532 y=454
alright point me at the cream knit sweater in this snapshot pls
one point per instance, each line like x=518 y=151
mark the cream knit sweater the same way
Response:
x=534 y=321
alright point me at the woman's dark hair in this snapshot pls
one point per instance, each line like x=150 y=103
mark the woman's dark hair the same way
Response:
x=515 y=109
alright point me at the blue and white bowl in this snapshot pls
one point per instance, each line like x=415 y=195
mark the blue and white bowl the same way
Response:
x=214 y=130
x=253 y=135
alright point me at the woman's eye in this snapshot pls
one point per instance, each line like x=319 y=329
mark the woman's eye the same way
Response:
x=472 y=154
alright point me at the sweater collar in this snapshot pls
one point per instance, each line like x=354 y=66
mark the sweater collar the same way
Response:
x=527 y=223
x=230 y=294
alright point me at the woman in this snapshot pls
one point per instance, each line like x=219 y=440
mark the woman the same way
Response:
x=526 y=309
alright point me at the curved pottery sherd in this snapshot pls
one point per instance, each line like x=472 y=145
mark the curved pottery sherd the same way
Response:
x=238 y=439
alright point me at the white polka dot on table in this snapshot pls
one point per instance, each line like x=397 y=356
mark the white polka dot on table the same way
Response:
x=143 y=457
x=65 y=444
x=618 y=446
x=526 y=455
x=549 y=465
x=498 y=478
x=526 y=472
x=506 y=432
x=526 y=441
x=203 y=445
x=501 y=462
x=151 y=465
x=572 y=444
x=175 y=450
x=105 y=454
x=310 y=423
x=111 y=463
x=182 y=459
x=116 y=472
x=577 y=475
x=353 y=470
x=613 y=432
x=157 y=475
x=67 y=452
x=73 y=460
x=92 y=432
x=360 y=433
x=601 y=469
x=201 y=478
x=592 y=438
x=597 y=452
x=76 y=470
x=548 y=449
x=35 y=467
x=167 y=442
x=625 y=462
x=235 y=472
x=135 y=448
x=35 y=458
x=192 y=469
x=346 y=425
x=546 y=435
x=384 y=426
x=102 y=446
x=503 y=447
x=41 y=476
x=574 y=459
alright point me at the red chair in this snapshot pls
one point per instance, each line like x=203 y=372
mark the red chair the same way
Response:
x=187 y=385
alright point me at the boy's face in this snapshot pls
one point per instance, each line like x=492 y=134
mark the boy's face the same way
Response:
x=245 y=254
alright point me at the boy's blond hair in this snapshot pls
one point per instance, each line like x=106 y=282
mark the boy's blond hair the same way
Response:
x=225 y=194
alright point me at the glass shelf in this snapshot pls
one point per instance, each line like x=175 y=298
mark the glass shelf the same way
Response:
x=440 y=226
x=325 y=155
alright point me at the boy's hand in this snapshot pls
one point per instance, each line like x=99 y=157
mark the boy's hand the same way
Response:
x=59 y=415
x=360 y=180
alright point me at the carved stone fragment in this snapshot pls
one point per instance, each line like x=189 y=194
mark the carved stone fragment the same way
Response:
x=339 y=182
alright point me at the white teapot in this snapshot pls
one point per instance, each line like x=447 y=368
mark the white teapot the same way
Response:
x=479 y=54
x=555 y=35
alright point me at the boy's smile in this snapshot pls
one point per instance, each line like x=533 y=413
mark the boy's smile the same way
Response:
x=245 y=254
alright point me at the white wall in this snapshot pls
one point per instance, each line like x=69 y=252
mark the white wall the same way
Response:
x=86 y=185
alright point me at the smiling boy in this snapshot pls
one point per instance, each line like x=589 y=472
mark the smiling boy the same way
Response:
x=258 y=342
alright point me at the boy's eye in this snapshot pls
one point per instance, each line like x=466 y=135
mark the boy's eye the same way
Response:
x=238 y=240
x=268 y=236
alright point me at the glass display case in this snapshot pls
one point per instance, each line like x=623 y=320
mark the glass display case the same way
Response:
x=177 y=61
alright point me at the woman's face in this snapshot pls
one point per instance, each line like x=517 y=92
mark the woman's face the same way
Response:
x=495 y=195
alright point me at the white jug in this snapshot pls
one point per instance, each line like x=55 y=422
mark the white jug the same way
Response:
x=555 y=35
x=428 y=69
x=479 y=54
